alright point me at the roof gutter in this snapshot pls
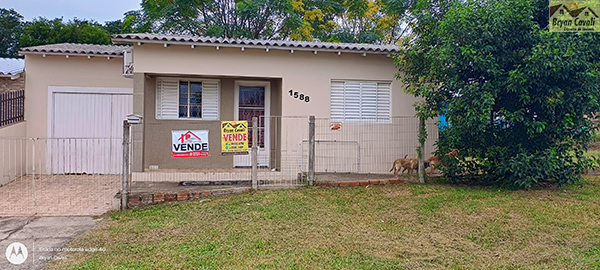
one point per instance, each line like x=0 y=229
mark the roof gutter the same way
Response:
x=11 y=76
x=44 y=54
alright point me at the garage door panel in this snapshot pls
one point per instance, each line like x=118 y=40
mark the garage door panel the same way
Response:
x=86 y=132
x=82 y=115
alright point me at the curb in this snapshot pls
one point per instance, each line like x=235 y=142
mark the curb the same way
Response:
x=156 y=198
x=362 y=183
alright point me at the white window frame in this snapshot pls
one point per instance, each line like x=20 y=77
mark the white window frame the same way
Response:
x=361 y=101
x=167 y=99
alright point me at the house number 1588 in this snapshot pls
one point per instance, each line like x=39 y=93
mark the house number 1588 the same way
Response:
x=299 y=96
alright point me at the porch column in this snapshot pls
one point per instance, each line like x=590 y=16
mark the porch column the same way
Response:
x=137 y=131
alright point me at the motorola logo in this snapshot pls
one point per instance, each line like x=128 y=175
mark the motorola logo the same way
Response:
x=16 y=253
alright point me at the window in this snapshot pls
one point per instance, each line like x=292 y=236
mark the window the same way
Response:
x=190 y=99
x=360 y=101
x=187 y=99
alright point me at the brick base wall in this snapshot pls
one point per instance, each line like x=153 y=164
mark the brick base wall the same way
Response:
x=7 y=84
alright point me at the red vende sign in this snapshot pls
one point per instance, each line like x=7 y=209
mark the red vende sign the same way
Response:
x=192 y=154
x=189 y=143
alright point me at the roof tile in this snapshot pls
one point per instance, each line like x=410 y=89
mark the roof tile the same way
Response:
x=157 y=38
x=74 y=49
x=11 y=66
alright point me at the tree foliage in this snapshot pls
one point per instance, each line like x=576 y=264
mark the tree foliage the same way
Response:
x=370 y=21
x=43 y=31
x=360 y=21
x=516 y=96
x=10 y=31
x=133 y=22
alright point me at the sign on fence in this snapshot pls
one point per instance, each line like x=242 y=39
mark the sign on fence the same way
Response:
x=189 y=143
x=234 y=137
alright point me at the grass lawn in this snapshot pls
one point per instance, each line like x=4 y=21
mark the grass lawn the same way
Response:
x=412 y=226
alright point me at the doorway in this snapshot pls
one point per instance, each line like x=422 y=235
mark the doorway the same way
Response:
x=253 y=99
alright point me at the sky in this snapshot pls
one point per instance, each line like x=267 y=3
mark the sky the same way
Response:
x=97 y=10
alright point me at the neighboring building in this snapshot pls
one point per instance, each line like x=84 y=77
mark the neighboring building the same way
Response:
x=193 y=83
x=12 y=86
x=12 y=76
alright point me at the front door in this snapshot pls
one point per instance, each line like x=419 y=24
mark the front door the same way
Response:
x=252 y=99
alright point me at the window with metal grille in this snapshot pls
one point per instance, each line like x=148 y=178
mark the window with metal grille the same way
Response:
x=187 y=99
x=360 y=101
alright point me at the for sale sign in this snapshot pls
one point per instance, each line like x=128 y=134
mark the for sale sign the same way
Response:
x=574 y=16
x=189 y=143
x=234 y=137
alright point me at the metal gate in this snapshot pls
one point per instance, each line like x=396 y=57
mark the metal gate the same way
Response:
x=59 y=176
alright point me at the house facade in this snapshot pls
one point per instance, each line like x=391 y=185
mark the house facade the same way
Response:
x=239 y=79
x=184 y=83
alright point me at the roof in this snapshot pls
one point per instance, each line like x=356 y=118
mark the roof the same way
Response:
x=76 y=49
x=254 y=43
x=11 y=66
x=574 y=13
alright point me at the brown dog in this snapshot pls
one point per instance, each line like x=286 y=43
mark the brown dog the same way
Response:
x=435 y=161
x=397 y=165
x=410 y=165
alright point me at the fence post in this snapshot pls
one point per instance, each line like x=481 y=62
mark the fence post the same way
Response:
x=125 y=176
x=311 y=150
x=254 y=153
x=421 y=151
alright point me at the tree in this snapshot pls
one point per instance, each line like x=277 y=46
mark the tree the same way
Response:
x=43 y=31
x=132 y=23
x=10 y=31
x=516 y=95
x=368 y=21
x=230 y=18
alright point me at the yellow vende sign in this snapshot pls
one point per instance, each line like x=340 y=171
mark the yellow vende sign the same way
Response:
x=234 y=137
x=574 y=16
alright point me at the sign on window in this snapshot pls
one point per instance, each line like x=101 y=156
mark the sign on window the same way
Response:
x=234 y=137
x=189 y=143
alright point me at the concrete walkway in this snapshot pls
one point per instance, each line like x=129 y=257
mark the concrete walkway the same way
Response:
x=43 y=237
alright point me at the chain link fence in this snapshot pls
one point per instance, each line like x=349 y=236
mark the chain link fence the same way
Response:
x=74 y=176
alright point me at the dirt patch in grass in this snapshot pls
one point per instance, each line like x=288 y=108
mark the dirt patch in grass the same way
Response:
x=595 y=146
x=408 y=226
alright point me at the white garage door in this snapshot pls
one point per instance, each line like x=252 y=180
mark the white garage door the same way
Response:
x=86 y=129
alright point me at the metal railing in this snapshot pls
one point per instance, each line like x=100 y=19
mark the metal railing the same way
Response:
x=12 y=107
x=357 y=146
x=54 y=176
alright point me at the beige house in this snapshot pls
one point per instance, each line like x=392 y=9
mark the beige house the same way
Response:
x=184 y=83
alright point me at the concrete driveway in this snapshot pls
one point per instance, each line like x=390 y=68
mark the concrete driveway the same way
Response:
x=42 y=237
x=59 y=195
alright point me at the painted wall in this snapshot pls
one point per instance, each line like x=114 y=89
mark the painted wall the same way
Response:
x=8 y=84
x=13 y=149
x=301 y=71
x=13 y=130
x=56 y=70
